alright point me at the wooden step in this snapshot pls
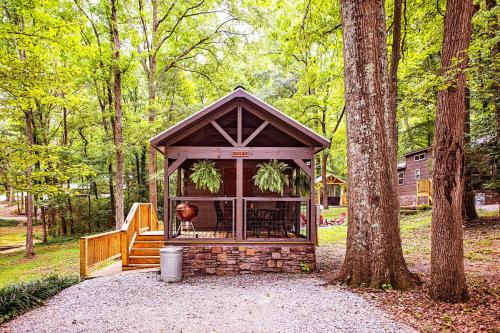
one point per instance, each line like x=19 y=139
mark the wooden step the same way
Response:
x=144 y=251
x=144 y=260
x=149 y=244
x=150 y=238
x=139 y=266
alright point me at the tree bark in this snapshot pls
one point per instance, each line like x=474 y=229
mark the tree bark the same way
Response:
x=30 y=251
x=374 y=256
x=64 y=225
x=447 y=264
x=324 y=189
x=117 y=128
x=151 y=76
x=469 y=206
x=44 y=224
x=395 y=55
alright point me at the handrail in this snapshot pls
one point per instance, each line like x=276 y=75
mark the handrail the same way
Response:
x=276 y=198
x=100 y=247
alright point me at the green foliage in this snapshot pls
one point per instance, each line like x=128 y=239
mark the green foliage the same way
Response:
x=18 y=298
x=206 y=176
x=304 y=267
x=387 y=286
x=271 y=176
x=301 y=183
x=8 y=223
x=61 y=259
x=423 y=208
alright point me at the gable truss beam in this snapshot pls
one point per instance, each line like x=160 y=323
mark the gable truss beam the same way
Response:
x=224 y=133
x=303 y=166
x=279 y=126
x=175 y=165
x=200 y=124
x=255 y=133
x=240 y=122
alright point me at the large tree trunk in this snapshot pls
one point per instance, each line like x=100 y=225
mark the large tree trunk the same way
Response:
x=111 y=195
x=30 y=251
x=151 y=76
x=469 y=207
x=374 y=256
x=44 y=224
x=11 y=195
x=447 y=262
x=117 y=128
x=324 y=188
x=395 y=55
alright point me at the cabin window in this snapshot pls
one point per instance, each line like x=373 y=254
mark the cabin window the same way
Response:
x=401 y=177
x=417 y=173
x=420 y=157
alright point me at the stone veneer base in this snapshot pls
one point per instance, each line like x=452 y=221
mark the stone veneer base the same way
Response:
x=234 y=260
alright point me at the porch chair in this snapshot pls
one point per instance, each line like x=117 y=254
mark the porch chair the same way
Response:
x=338 y=221
x=220 y=224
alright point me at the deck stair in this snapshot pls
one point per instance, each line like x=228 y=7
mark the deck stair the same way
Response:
x=145 y=252
x=138 y=242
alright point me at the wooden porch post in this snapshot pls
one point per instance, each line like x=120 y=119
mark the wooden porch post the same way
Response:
x=313 y=228
x=166 y=201
x=239 y=199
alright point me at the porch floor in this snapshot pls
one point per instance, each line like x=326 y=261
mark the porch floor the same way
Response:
x=220 y=234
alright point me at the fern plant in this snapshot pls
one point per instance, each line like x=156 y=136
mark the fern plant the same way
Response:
x=301 y=183
x=271 y=176
x=206 y=176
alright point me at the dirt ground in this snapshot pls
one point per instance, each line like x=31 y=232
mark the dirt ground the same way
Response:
x=415 y=308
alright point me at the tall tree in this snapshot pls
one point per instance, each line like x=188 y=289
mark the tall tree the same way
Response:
x=374 y=256
x=469 y=206
x=166 y=25
x=395 y=55
x=447 y=265
x=30 y=251
x=117 y=120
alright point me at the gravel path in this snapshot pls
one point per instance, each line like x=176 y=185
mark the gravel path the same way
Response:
x=139 y=302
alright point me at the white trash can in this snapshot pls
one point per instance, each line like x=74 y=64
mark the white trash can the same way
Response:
x=171 y=263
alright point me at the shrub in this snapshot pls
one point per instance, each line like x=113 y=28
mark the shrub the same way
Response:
x=423 y=208
x=304 y=268
x=8 y=223
x=18 y=298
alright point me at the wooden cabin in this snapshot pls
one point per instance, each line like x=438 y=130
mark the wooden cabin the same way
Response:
x=414 y=178
x=335 y=190
x=240 y=228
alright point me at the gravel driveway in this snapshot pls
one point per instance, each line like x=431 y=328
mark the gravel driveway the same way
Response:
x=139 y=302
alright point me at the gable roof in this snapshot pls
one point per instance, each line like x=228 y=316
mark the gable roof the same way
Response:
x=320 y=142
x=330 y=177
x=422 y=150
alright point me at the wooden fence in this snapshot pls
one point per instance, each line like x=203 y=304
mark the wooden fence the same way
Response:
x=98 y=248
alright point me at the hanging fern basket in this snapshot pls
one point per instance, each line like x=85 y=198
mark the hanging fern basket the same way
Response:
x=271 y=176
x=206 y=176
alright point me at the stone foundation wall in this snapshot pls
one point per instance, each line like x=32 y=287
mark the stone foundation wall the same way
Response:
x=408 y=200
x=233 y=260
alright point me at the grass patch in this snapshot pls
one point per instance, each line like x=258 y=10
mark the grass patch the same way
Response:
x=412 y=226
x=16 y=235
x=8 y=223
x=487 y=213
x=334 y=234
x=18 y=298
x=61 y=259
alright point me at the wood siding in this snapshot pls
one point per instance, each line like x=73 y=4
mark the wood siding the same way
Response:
x=410 y=183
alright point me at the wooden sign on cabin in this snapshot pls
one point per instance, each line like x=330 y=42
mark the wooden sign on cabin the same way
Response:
x=239 y=153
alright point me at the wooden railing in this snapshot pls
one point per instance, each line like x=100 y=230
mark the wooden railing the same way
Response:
x=97 y=248
x=424 y=189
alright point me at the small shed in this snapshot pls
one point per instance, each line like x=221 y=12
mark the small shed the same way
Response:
x=335 y=190
x=238 y=133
